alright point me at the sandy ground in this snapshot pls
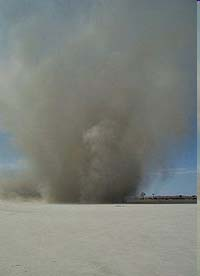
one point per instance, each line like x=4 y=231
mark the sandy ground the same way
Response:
x=96 y=240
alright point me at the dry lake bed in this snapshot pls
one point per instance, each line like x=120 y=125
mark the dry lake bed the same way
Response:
x=40 y=239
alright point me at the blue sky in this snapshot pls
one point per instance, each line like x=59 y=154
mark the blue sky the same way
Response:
x=180 y=175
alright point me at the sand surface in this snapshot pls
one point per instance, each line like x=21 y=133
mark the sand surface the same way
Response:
x=95 y=240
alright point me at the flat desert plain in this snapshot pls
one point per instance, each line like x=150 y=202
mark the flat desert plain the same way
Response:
x=39 y=239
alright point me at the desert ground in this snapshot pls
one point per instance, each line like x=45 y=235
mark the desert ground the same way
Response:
x=97 y=240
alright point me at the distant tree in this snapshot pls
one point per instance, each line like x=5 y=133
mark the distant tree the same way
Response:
x=142 y=195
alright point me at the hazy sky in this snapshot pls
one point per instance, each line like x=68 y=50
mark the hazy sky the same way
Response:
x=181 y=178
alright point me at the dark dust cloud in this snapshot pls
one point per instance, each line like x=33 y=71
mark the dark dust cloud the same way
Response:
x=94 y=94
